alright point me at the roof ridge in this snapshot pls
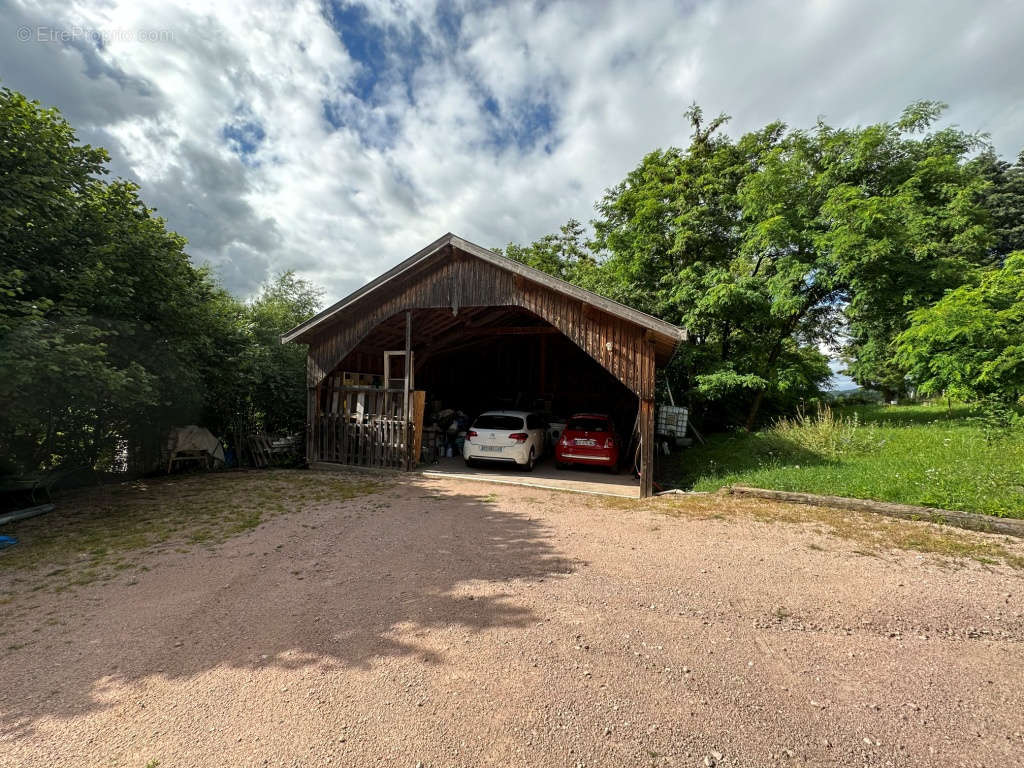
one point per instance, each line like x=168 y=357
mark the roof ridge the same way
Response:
x=502 y=262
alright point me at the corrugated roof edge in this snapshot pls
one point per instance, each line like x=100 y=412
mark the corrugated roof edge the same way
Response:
x=608 y=305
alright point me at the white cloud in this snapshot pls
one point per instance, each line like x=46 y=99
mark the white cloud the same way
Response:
x=498 y=123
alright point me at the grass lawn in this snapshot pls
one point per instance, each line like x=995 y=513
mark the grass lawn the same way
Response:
x=912 y=454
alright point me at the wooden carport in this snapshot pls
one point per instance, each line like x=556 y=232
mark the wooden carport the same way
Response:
x=444 y=296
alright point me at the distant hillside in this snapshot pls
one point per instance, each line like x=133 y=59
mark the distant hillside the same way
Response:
x=855 y=393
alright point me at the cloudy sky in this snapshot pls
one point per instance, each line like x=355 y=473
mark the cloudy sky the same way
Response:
x=336 y=139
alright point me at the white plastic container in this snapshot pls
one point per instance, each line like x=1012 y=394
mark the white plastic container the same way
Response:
x=671 y=421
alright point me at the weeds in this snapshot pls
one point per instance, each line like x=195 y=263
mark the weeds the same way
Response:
x=826 y=434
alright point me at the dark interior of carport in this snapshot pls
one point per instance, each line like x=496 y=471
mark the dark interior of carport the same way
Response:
x=483 y=358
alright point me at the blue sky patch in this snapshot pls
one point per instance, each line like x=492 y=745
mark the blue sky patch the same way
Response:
x=386 y=54
x=244 y=135
x=333 y=114
x=449 y=22
x=523 y=125
x=374 y=126
x=364 y=41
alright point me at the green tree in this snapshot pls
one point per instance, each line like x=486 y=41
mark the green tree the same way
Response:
x=108 y=334
x=771 y=245
x=903 y=221
x=767 y=246
x=1004 y=201
x=64 y=388
x=714 y=238
x=563 y=255
x=274 y=374
x=970 y=344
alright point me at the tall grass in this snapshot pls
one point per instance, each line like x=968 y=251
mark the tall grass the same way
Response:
x=825 y=433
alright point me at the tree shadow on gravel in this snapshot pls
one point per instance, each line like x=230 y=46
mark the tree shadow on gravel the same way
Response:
x=348 y=585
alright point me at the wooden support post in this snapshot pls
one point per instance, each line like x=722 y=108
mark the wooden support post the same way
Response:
x=646 y=448
x=419 y=403
x=311 y=415
x=406 y=403
x=647 y=421
x=311 y=425
x=544 y=364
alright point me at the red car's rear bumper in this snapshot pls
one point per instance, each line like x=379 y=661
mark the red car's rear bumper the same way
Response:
x=599 y=457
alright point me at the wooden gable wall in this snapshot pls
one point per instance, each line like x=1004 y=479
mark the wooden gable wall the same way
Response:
x=455 y=280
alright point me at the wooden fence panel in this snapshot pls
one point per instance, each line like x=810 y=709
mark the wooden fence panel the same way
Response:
x=368 y=428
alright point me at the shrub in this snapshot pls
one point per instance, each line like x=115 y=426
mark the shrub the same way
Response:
x=997 y=418
x=825 y=433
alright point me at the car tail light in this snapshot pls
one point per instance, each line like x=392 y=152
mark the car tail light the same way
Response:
x=470 y=434
x=519 y=437
x=609 y=443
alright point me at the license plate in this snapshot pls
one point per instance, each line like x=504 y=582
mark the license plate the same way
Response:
x=491 y=448
x=585 y=441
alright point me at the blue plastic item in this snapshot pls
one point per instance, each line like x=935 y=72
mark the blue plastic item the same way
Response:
x=7 y=541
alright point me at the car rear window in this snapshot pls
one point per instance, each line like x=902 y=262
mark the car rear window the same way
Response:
x=588 y=425
x=498 y=421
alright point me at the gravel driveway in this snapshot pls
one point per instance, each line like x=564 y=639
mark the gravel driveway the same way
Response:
x=453 y=623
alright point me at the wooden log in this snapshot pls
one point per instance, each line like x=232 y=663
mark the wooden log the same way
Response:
x=984 y=523
x=23 y=514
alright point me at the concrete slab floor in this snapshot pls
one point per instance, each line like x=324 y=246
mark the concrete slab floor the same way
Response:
x=544 y=475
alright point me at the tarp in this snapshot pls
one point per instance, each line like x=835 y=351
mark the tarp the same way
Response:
x=193 y=438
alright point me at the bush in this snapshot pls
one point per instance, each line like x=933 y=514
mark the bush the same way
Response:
x=825 y=434
x=996 y=417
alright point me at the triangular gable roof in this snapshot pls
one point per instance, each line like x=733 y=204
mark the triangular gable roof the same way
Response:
x=642 y=319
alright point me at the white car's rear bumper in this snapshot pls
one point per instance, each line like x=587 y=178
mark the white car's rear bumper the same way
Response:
x=520 y=454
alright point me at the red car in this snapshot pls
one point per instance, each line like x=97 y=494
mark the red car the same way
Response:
x=588 y=439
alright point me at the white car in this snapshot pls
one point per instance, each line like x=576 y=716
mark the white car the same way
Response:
x=514 y=437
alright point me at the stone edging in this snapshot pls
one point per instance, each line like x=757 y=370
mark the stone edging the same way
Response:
x=984 y=523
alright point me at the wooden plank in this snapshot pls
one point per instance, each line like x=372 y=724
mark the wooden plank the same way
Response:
x=330 y=434
x=374 y=423
x=985 y=523
x=347 y=449
x=419 y=406
x=382 y=430
x=360 y=442
x=405 y=386
x=310 y=424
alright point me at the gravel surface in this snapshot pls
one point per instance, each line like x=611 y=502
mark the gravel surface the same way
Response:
x=454 y=623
